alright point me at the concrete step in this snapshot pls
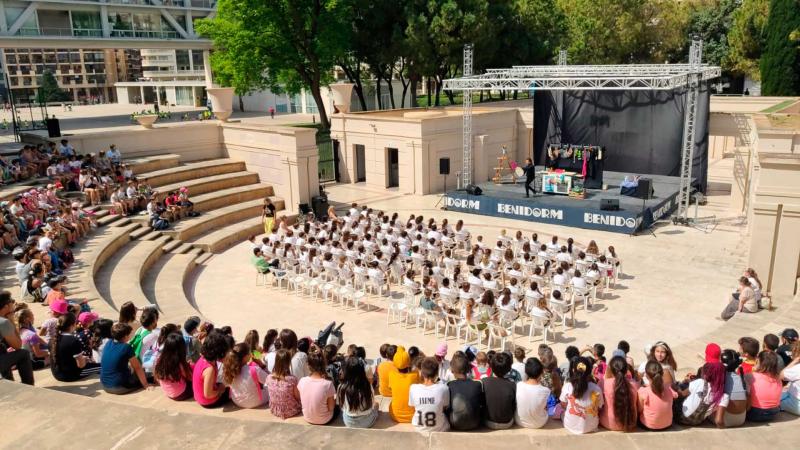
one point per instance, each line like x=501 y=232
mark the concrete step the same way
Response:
x=122 y=221
x=119 y=280
x=208 y=184
x=220 y=239
x=185 y=247
x=172 y=245
x=189 y=228
x=152 y=236
x=108 y=218
x=237 y=194
x=140 y=232
x=147 y=164
x=167 y=281
x=90 y=256
x=191 y=171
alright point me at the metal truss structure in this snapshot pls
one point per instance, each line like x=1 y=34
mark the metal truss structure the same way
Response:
x=564 y=77
x=466 y=173
x=576 y=78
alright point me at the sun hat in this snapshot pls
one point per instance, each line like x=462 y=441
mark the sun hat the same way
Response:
x=87 y=318
x=401 y=359
x=59 y=306
x=441 y=350
x=713 y=353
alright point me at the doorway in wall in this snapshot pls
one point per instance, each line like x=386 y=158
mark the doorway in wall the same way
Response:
x=394 y=167
x=361 y=166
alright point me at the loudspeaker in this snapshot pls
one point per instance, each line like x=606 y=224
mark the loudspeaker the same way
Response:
x=53 y=127
x=609 y=204
x=444 y=166
x=474 y=190
x=645 y=188
x=320 y=206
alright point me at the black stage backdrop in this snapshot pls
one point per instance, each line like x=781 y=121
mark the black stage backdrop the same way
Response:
x=641 y=130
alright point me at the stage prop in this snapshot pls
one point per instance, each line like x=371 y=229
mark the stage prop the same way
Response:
x=586 y=160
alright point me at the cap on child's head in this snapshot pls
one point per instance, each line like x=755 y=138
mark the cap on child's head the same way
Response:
x=59 y=306
x=441 y=350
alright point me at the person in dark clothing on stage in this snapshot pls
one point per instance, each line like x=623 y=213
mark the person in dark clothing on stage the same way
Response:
x=530 y=176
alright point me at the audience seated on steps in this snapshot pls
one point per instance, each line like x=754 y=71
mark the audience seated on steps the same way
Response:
x=294 y=377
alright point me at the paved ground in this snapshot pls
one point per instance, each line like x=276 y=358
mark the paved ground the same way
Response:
x=672 y=275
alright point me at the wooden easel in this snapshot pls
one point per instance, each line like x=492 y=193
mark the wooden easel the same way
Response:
x=503 y=165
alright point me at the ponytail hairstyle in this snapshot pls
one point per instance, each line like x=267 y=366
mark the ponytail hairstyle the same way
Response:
x=234 y=361
x=580 y=373
x=714 y=374
x=127 y=312
x=251 y=339
x=65 y=322
x=269 y=339
x=655 y=373
x=101 y=329
x=626 y=417
x=166 y=330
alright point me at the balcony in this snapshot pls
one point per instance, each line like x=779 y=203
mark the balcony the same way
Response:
x=145 y=34
x=64 y=32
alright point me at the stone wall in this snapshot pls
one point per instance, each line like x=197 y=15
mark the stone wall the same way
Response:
x=285 y=157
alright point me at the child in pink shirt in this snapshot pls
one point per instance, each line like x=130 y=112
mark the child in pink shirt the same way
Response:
x=655 y=399
x=765 y=388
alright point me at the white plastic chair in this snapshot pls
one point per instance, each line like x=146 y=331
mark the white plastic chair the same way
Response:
x=539 y=323
x=501 y=333
x=583 y=294
x=562 y=309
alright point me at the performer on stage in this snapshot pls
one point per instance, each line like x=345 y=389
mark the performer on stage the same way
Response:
x=530 y=175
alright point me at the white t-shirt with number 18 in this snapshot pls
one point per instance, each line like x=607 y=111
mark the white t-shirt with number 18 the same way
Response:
x=429 y=403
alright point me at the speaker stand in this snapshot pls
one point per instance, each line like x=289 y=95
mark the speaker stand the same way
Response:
x=648 y=229
x=441 y=196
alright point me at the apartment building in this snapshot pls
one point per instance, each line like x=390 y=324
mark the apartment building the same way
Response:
x=168 y=77
x=88 y=75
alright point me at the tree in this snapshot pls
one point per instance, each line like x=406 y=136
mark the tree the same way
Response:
x=624 y=31
x=780 y=62
x=711 y=20
x=49 y=90
x=437 y=32
x=238 y=65
x=746 y=38
x=290 y=44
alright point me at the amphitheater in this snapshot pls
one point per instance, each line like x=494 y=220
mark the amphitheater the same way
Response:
x=674 y=285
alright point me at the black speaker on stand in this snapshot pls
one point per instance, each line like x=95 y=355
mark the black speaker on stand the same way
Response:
x=444 y=169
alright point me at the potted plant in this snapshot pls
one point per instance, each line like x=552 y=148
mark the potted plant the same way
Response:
x=145 y=118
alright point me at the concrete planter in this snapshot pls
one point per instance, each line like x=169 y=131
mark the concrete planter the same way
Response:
x=147 y=120
x=342 y=93
x=221 y=102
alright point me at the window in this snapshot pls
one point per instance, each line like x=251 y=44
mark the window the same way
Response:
x=197 y=59
x=182 y=60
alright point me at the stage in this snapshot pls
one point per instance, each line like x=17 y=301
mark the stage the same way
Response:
x=508 y=200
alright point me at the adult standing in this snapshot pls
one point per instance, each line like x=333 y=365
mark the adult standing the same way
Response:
x=268 y=215
x=530 y=176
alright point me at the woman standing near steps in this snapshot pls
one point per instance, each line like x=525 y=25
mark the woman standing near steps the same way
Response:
x=268 y=215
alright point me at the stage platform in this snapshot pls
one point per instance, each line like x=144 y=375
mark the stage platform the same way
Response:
x=509 y=201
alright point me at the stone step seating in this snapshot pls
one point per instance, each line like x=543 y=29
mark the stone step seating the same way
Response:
x=785 y=315
x=209 y=184
x=191 y=171
x=152 y=163
x=189 y=228
x=90 y=255
x=119 y=280
x=166 y=286
x=223 y=238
